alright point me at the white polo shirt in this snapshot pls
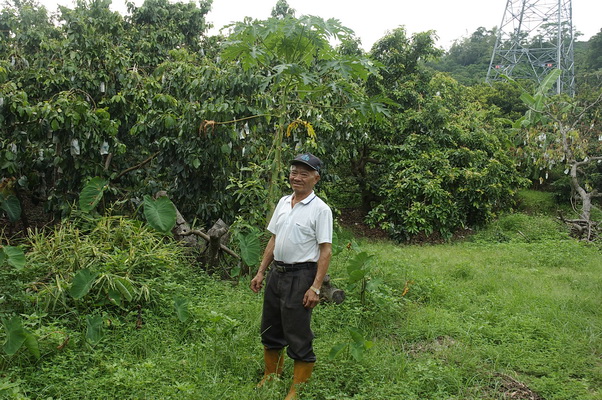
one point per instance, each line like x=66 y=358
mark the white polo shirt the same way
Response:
x=299 y=230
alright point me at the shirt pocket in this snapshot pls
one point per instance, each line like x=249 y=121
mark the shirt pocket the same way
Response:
x=302 y=234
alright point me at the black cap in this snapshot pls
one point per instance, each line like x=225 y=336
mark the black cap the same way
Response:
x=308 y=159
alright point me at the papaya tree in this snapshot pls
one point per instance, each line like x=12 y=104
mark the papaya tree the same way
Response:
x=302 y=75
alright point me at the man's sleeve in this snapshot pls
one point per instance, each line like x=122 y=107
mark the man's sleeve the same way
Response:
x=324 y=226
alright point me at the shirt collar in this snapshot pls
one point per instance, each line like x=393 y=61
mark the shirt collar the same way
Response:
x=306 y=200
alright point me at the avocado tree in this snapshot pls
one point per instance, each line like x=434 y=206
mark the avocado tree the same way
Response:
x=438 y=163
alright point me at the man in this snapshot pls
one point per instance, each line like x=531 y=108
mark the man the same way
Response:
x=299 y=249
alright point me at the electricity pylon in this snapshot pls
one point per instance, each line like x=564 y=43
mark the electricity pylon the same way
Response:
x=535 y=36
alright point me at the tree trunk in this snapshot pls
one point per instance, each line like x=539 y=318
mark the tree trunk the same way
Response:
x=586 y=201
x=218 y=236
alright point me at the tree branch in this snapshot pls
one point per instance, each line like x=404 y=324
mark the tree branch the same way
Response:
x=589 y=160
x=142 y=164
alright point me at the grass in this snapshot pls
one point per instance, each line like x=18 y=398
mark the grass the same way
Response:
x=536 y=202
x=501 y=316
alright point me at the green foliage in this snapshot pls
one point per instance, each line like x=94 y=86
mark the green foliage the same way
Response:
x=594 y=53
x=13 y=256
x=17 y=336
x=357 y=346
x=11 y=205
x=249 y=192
x=94 y=331
x=181 y=307
x=250 y=248
x=302 y=74
x=537 y=102
x=447 y=169
x=104 y=262
x=92 y=193
x=160 y=213
x=558 y=132
x=82 y=283
x=468 y=58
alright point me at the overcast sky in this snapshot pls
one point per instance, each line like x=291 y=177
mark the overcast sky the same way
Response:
x=370 y=19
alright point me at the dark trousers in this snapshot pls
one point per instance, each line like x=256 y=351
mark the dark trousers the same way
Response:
x=285 y=322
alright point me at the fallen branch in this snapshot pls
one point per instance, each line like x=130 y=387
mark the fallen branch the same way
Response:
x=207 y=238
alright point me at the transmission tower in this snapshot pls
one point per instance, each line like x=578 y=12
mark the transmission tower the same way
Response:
x=535 y=37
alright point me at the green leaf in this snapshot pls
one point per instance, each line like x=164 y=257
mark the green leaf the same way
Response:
x=125 y=287
x=94 y=329
x=373 y=284
x=357 y=351
x=14 y=256
x=357 y=336
x=359 y=262
x=226 y=150
x=527 y=99
x=114 y=296
x=548 y=81
x=336 y=350
x=92 y=193
x=169 y=121
x=357 y=275
x=160 y=213
x=181 y=306
x=12 y=206
x=250 y=248
x=15 y=335
x=82 y=283
x=32 y=344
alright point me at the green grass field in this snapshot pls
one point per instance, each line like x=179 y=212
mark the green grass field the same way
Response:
x=511 y=313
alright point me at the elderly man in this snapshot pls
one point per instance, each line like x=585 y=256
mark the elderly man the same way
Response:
x=299 y=251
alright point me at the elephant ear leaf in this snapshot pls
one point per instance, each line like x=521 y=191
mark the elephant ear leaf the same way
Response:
x=14 y=256
x=181 y=306
x=12 y=206
x=82 y=283
x=250 y=248
x=92 y=193
x=94 y=329
x=336 y=350
x=15 y=335
x=32 y=344
x=160 y=213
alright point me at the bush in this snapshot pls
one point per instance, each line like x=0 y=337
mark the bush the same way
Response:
x=450 y=169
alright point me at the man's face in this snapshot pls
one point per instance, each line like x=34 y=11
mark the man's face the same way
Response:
x=302 y=178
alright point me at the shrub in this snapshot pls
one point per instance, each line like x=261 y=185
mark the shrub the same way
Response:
x=449 y=169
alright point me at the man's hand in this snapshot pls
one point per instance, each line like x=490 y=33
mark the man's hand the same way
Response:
x=311 y=299
x=257 y=282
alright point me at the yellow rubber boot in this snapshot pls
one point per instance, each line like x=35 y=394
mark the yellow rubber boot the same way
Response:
x=301 y=374
x=274 y=364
